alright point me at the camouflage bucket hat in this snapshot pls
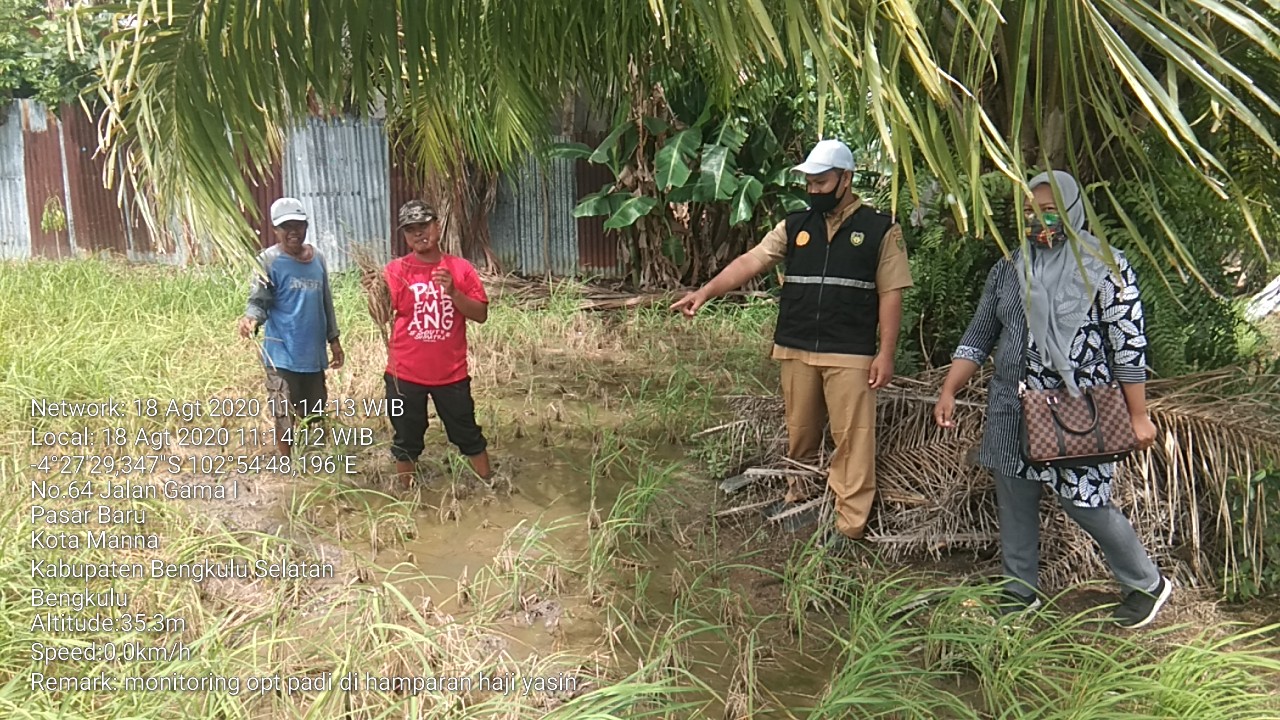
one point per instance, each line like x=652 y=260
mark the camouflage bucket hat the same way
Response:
x=416 y=212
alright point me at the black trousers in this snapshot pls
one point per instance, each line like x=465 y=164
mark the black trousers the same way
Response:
x=295 y=394
x=454 y=405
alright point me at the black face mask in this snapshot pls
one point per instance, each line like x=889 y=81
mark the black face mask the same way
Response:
x=824 y=202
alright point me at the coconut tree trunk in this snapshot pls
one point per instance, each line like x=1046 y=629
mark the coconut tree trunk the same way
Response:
x=465 y=198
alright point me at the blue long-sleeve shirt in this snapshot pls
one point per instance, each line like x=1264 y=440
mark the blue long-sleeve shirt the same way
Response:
x=294 y=303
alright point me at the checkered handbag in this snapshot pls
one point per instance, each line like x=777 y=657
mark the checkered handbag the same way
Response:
x=1061 y=430
x=1064 y=431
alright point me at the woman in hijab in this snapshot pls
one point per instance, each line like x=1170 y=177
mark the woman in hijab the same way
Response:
x=1060 y=319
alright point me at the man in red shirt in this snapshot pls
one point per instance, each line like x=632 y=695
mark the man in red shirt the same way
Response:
x=433 y=295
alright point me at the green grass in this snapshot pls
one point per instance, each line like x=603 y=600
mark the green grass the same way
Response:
x=675 y=630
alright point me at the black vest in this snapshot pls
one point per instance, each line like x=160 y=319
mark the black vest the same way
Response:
x=829 y=298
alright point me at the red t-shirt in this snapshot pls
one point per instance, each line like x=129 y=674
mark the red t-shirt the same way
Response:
x=429 y=336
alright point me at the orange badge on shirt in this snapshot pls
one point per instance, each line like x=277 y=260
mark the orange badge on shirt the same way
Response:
x=803 y=238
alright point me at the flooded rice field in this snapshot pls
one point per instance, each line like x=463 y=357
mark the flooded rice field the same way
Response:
x=607 y=580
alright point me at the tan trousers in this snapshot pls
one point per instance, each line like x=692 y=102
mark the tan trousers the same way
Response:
x=813 y=395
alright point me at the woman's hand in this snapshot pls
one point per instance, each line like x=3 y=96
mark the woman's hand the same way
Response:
x=944 y=411
x=1144 y=430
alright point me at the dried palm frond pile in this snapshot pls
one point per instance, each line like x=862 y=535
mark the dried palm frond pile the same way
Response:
x=1215 y=429
x=377 y=295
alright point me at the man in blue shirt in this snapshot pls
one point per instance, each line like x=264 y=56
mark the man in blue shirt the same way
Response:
x=292 y=300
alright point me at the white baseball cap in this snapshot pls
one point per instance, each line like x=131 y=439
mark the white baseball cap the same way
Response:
x=286 y=209
x=826 y=155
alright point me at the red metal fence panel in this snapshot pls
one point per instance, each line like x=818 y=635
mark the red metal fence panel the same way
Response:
x=42 y=163
x=405 y=186
x=99 y=224
x=266 y=190
x=597 y=247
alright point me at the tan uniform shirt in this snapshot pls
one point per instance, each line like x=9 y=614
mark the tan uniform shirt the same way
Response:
x=893 y=273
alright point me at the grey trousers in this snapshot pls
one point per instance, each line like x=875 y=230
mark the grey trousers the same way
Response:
x=1019 y=504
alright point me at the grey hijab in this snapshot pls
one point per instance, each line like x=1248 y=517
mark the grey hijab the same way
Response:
x=1059 y=287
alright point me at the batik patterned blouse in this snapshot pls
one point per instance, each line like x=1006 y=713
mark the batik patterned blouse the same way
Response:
x=1111 y=344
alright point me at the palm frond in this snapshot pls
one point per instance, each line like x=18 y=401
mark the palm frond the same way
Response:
x=197 y=89
x=1216 y=429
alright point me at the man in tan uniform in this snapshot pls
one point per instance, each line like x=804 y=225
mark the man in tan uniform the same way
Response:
x=846 y=268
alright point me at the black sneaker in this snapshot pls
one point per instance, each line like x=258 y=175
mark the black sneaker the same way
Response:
x=1011 y=603
x=1139 y=608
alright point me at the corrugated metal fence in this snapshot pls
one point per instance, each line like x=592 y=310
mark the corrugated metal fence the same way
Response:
x=54 y=203
x=531 y=232
x=15 y=231
x=339 y=169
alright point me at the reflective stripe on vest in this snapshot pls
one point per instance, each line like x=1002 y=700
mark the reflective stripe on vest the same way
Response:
x=818 y=280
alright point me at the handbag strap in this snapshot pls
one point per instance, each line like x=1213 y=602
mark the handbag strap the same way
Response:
x=1026 y=353
x=1092 y=406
